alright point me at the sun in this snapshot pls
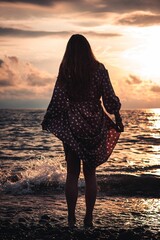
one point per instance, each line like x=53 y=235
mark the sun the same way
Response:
x=144 y=57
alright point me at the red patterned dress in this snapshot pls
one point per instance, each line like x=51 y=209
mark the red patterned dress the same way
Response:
x=84 y=125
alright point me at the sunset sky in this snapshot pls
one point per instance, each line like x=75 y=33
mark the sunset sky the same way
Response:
x=124 y=35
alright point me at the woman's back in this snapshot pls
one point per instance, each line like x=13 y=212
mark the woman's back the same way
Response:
x=77 y=67
x=75 y=115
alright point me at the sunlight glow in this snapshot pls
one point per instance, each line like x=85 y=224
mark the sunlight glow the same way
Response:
x=154 y=125
x=144 y=58
x=155 y=119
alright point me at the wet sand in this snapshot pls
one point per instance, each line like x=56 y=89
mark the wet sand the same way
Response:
x=44 y=216
x=48 y=231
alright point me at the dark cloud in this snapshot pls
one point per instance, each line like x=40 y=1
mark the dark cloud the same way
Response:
x=1 y=62
x=43 y=3
x=133 y=80
x=20 y=92
x=13 y=32
x=105 y=34
x=129 y=6
x=26 y=102
x=155 y=88
x=8 y=12
x=13 y=59
x=140 y=19
x=101 y=5
x=39 y=2
x=5 y=83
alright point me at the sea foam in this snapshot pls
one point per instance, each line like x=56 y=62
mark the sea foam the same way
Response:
x=37 y=174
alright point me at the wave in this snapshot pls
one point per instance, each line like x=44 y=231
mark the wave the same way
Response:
x=146 y=185
x=42 y=176
x=146 y=139
x=14 y=148
x=34 y=176
x=133 y=169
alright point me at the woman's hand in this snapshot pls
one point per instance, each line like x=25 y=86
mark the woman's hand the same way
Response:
x=120 y=126
x=43 y=123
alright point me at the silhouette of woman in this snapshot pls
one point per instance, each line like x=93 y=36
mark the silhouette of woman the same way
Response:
x=76 y=116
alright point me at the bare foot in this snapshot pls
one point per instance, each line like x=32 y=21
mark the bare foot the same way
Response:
x=88 y=222
x=71 y=222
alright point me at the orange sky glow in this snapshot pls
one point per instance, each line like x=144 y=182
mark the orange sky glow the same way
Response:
x=124 y=36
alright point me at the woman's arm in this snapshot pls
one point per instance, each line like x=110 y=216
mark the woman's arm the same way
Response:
x=111 y=102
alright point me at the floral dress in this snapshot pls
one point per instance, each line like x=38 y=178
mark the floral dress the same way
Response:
x=84 y=125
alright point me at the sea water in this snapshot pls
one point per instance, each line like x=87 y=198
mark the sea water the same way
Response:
x=30 y=156
x=32 y=162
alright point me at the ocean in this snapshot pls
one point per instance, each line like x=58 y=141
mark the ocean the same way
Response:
x=33 y=171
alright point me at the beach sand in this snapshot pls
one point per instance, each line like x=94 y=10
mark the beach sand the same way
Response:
x=44 y=216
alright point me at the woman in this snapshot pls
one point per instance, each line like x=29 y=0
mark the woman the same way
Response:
x=76 y=116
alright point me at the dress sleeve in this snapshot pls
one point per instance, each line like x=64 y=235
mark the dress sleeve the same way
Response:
x=58 y=103
x=110 y=100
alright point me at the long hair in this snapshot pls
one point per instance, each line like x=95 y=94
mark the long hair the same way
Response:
x=77 y=67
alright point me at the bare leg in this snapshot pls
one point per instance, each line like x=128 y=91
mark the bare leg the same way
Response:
x=90 y=193
x=71 y=188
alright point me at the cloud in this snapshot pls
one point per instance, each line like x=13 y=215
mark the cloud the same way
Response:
x=22 y=33
x=20 y=92
x=89 y=23
x=139 y=19
x=11 y=12
x=14 y=32
x=38 y=2
x=5 y=83
x=18 y=79
x=99 y=5
x=133 y=80
x=155 y=88
x=129 y=6
x=13 y=59
x=36 y=78
x=101 y=34
x=7 y=74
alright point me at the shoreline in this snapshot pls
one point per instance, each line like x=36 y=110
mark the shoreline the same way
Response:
x=45 y=217
x=47 y=229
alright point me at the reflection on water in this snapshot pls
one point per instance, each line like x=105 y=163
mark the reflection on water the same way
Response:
x=110 y=212
x=139 y=145
x=154 y=124
x=131 y=212
x=22 y=140
x=154 y=119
